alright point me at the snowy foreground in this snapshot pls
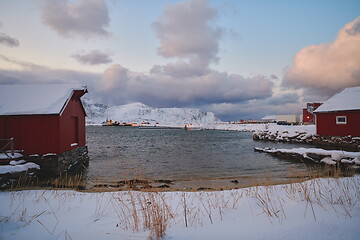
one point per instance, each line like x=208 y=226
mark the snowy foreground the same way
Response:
x=315 y=209
x=17 y=166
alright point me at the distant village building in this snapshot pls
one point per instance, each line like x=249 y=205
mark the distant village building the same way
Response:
x=270 y=119
x=293 y=118
x=340 y=114
x=42 y=119
x=308 y=112
x=254 y=121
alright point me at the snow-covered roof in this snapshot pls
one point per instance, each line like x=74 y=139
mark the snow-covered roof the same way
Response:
x=35 y=99
x=273 y=117
x=348 y=99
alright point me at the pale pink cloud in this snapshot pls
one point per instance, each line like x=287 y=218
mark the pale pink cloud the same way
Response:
x=160 y=88
x=94 y=57
x=186 y=32
x=86 y=18
x=329 y=67
x=8 y=40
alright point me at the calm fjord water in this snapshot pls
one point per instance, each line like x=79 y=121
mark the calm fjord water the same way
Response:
x=176 y=154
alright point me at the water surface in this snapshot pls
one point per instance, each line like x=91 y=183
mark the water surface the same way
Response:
x=128 y=153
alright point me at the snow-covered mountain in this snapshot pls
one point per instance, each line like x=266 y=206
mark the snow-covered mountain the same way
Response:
x=139 y=112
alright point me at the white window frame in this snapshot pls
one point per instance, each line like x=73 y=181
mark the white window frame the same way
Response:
x=340 y=122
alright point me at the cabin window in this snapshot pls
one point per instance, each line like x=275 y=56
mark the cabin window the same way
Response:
x=341 y=120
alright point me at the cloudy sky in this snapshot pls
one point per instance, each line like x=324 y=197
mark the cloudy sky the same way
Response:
x=238 y=58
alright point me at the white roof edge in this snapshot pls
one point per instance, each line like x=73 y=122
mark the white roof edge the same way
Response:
x=66 y=103
x=345 y=110
x=346 y=100
x=69 y=98
x=36 y=99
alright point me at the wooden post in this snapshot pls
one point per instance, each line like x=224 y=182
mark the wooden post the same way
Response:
x=12 y=146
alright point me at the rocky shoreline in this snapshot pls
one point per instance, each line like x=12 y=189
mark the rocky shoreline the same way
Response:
x=32 y=169
x=347 y=142
x=336 y=158
x=66 y=163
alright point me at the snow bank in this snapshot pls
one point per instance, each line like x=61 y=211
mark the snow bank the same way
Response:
x=8 y=155
x=306 y=210
x=270 y=128
x=304 y=134
x=285 y=133
x=17 y=162
x=330 y=157
x=17 y=167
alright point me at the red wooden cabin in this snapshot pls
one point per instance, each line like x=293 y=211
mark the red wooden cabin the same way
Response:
x=308 y=112
x=43 y=118
x=340 y=114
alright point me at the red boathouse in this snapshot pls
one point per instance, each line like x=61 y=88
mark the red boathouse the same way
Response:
x=308 y=112
x=340 y=114
x=43 y=119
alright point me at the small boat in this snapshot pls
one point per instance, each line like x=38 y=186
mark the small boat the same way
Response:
x=124 y=124
x=191 y=127
x=159 y=127
x=110 y=123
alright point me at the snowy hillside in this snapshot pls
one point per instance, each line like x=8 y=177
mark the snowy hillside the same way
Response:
x=95 y=111
x=139 y=112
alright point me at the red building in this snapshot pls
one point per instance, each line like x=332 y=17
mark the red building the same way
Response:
x=308 y=112
x=340 y=114
x=42 y=118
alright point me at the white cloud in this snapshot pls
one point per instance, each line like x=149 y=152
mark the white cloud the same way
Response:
x=185 y=32
x=94 y=57
x=9 y=41
x=187 y=35
x=257 y=108
x=283 y=99
x=328 y=68
x=30 y=73
x=159 y=88
x=86 y=18
x=114 y=77
x=119 y=85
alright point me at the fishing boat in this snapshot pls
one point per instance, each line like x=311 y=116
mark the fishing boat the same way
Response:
x=110 y=122
x=124 y=124
x=191 y=127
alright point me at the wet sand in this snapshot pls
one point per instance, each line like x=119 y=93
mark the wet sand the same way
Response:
x=191 y=185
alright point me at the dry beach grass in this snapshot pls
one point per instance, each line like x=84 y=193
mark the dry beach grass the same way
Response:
x=140 y=182
x=156 y=212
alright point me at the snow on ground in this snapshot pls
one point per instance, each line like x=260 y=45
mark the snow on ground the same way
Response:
x=12 y=168
x=336 y=155
x=315 y=209
x=178 y=117
x=14 y=162
x=332 y=156
x=270 y=127
x=8 y=155
x=16 y=165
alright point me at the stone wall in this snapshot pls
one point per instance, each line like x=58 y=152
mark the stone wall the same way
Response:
x=55 y=164
x=347 y=142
